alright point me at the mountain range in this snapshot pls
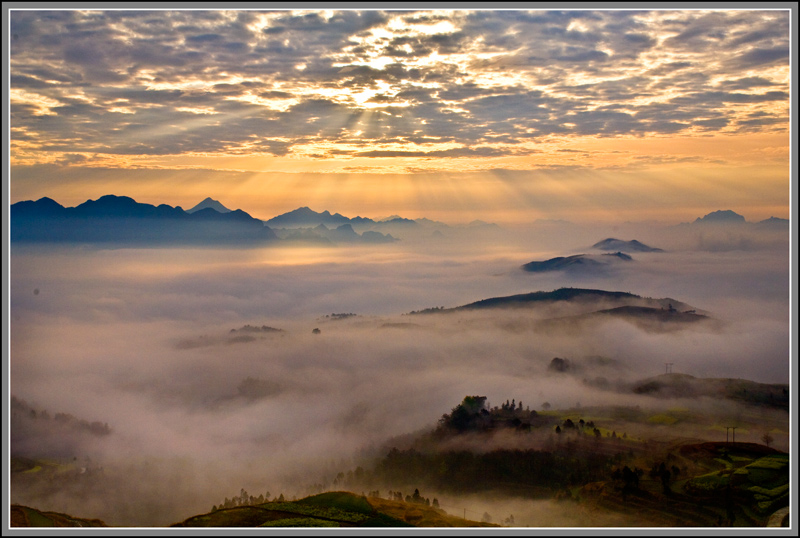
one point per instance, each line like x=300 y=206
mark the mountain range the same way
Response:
x=343 y=233
x=120 y=219
x=727 y=217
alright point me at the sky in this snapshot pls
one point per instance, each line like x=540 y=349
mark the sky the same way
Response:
x=504 y=115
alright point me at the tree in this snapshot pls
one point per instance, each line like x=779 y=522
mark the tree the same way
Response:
x=767 y=439
x=486 y=518
x=665 y=475
x=546 y=406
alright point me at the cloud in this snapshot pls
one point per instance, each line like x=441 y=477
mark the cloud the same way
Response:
x=114 y=71
x=105 y=339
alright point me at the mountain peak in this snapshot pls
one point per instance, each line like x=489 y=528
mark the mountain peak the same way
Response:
x=615 y=244
x=209 y=203
x=723 y=216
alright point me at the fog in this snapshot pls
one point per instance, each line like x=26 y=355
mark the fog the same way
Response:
x=141 y=339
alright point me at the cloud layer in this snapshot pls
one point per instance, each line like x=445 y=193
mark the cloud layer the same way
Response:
x=442 y=84
x=141 y=339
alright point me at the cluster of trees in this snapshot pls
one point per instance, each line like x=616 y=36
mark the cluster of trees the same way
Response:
x=416 y=498
x=245 y=499
x=628 y=478
x=252 y=329
x=666 y=475
x=21 y=409
x=462 y=471
x=341 y=316
x=428 y=310
x=583 y=427
x=475 y=414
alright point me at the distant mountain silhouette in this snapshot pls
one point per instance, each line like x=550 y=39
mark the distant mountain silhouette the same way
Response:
x=574 y=295
x=624 y=246
x=578 y=263
x=341 y=234
x=306 y=217
x=120 y=219
x=773 y=223
x=721 y=217
x=209 y=203
x=561 y=294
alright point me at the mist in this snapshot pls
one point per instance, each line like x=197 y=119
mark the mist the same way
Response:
x=141 y=340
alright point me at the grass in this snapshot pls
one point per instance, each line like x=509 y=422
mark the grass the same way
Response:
x=774 y=492
x=333 y=509
x=300 y=522
x=339 y=499
x=662 y=419
x=709 y=482
x=317 y=510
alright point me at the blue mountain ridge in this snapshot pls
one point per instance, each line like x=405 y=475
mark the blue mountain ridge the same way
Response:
x=120 y=219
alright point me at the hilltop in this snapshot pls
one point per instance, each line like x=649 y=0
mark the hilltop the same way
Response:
x=332 y=509
x=619 y=245
x=565 y=295
x=579 y=263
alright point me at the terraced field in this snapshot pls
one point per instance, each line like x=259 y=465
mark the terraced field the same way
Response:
x=736 y=484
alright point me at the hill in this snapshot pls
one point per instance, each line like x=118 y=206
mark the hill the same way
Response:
x=583 y=263
x=619 y=245
x=561 y=294
x=676 y=385
x=120 y=219
x=330 y=509
x=708 y=484
x=24 y=516
x=576 y=296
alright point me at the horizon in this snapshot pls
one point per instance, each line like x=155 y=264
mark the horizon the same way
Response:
x=381 y=218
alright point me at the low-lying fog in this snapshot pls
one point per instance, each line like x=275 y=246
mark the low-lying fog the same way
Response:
x=141 y=339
